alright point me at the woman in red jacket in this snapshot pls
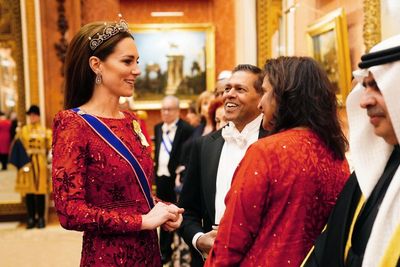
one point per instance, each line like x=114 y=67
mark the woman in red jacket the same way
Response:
x=288 y=182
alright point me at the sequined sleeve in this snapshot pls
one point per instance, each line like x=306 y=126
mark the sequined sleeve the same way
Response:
x=69 y=174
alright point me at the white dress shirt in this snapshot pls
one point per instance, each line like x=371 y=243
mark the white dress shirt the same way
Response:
x=233 y=150
x=168 y=135
x=232 y=153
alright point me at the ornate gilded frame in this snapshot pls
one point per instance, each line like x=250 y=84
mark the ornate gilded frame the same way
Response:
x=268 y=14
x=372 y=23
x=13 y=39
x=25 y=48
x=155 y=30
x=332 y=28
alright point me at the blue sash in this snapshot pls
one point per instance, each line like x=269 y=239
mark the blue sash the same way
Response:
x=165 y=143
x=112 y=140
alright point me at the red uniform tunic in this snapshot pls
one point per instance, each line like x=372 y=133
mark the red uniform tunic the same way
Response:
x=96 y=191
x=281 y=196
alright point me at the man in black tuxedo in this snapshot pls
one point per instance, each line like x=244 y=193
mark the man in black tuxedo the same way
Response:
x=214 y=158
x=169 y=138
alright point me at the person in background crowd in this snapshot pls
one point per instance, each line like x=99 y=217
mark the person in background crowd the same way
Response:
x=199 y=117
x=5 y=126
x=199 y=114
x=287 y=183
x=170 y=135
x=102 y=169
x=191 y=116
x=214 y=158
x=202 y=105
x=217 y=113
x=222 y=80
x=33 y=178
x=364 y=227
x=14 y=124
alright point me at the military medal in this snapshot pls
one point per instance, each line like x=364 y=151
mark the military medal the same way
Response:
x=138 y=131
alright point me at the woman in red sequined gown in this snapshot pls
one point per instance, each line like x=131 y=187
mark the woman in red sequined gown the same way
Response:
x=287 y=183
x=95 y=190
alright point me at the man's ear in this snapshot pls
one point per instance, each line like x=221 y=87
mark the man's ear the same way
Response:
x=94 y=63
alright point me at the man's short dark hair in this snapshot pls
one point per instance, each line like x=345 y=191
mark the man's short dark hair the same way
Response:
x=255 y=70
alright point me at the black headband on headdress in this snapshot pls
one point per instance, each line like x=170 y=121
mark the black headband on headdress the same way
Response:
x=380 y=57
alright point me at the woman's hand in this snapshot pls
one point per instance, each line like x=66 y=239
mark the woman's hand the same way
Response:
x=160 y=214
x=172 y=225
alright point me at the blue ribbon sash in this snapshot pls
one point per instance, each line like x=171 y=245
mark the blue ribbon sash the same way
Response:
x=167 y=144
x=114 y=142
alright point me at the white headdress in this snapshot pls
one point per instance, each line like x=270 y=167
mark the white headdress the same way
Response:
x=370 y=153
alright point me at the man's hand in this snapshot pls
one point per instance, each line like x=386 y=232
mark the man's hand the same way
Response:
x=178 y=181
x=178 y=173
x=206 y=241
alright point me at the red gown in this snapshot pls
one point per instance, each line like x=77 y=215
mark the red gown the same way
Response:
x=95 y=191
x=281 y=196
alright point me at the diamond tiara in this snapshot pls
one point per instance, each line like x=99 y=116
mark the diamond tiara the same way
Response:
x=108 y=32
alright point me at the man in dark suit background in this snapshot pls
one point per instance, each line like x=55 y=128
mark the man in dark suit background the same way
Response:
x=170 y=135
x=214 y=158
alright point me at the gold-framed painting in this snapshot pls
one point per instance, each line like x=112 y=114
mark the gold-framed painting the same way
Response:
x=175 y=59
x=328 y=44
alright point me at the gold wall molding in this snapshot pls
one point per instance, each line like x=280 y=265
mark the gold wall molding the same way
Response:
x=13 y=40
x=372 y=23
x=263 y=40
x=32 y=52
x=25 y=52
x=336 y=58
x=268 y=14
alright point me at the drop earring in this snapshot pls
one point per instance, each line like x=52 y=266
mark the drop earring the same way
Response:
x=98 y=79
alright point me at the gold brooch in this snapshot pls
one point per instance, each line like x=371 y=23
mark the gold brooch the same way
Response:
x=138 y=131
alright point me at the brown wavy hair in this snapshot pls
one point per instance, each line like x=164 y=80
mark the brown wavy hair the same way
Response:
x=79 y=77
x=305 y=98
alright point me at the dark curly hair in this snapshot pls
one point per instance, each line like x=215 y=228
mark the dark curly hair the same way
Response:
x=305 y=98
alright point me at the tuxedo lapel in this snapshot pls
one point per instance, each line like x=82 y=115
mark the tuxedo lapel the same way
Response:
x=158 y=135
x=211 y=153
x=177 y=137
